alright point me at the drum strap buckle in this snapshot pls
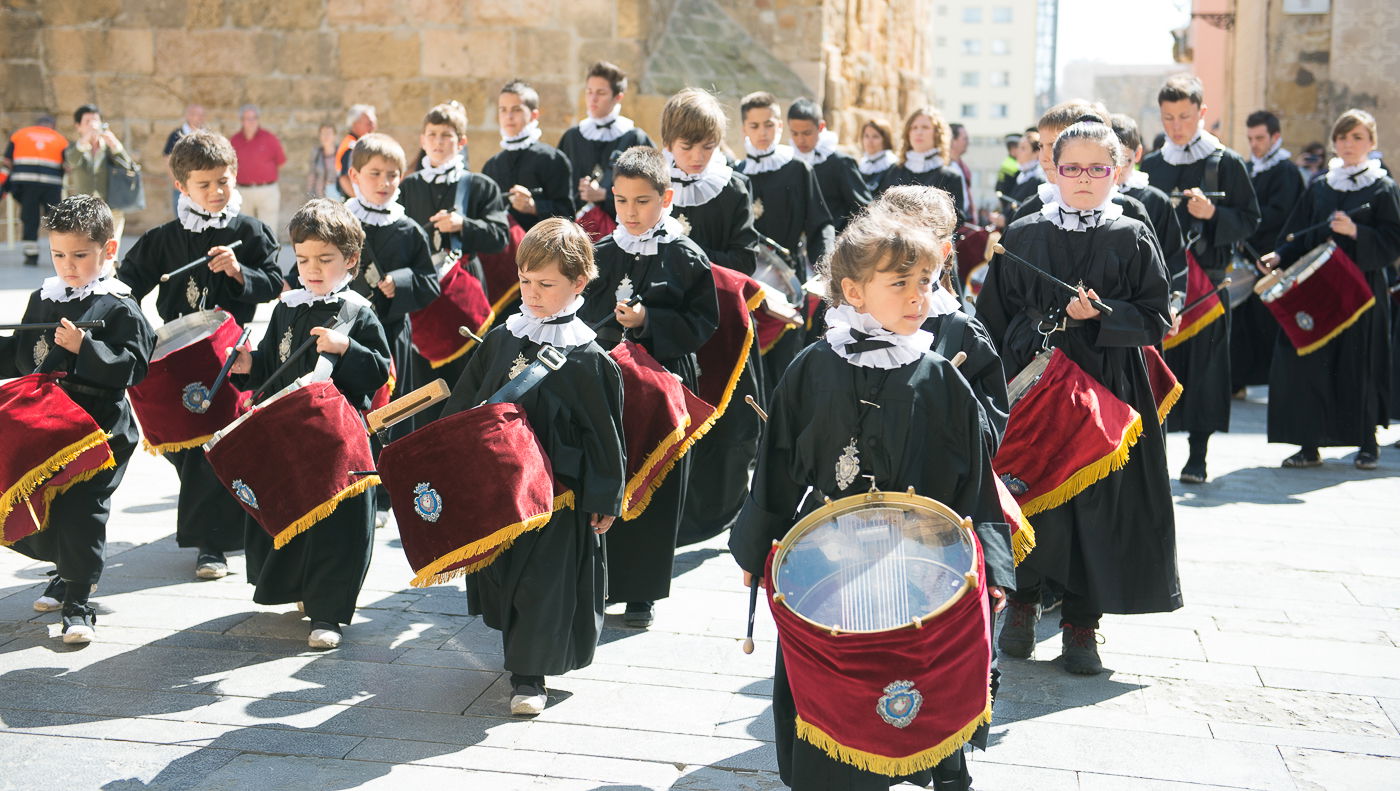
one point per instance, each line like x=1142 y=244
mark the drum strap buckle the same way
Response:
x=551 y=357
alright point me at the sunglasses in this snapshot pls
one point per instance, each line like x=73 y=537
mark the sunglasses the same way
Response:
x=1094 y=171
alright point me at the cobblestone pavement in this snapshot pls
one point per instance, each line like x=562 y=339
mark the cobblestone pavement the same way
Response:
x=1282 y=672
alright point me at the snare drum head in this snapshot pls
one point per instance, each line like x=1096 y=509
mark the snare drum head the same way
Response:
x=186 y=330
x=864 y=566
x=772 y=270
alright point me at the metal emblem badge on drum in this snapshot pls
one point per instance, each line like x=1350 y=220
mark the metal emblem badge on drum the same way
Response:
x=194 y=295
x=41 y=351
x=244 y=492
x=1015 y=485
x=1304 y=321
x=426 y=503
x=900 y=704
x=194 y=395
x=284 y=346
x=625 y=289
x=684 y=223
x=848 y=466
x=517 y=366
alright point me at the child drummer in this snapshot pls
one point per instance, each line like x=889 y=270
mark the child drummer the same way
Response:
x=100 y=364
x=545 y=592
x=869 y=401
x=323 y=567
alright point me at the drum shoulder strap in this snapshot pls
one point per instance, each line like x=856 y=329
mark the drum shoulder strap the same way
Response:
x=949 y=342
x=1210 y=182
x=463 y=193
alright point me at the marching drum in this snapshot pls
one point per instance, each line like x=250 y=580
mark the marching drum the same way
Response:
x=879 y=600
x=1055 y=405
x=462 y=303
x=50 y=444
x=1202 y=304
x=319 y=442
x=502 y=277
x=1243 y=274
x=189 y=353
x=1317 y=297
x=449 y=523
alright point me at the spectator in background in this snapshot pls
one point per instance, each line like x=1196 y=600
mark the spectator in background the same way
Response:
x=34 y=164
x=260 y=154
x=956 y=149
x=321 y=176
x=1313 y=161
x=1010 y=166
x=361 y=119
x=86 y=160
x=194 y=119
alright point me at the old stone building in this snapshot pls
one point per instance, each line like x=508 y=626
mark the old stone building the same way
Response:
x=304 y=61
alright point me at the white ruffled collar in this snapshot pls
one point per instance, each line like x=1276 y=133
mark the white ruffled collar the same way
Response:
x=870 y=164
x=297 y=297
x=1068 y=219
x=1275 y=155
x=766 y=160
x=1029 y=171
x=825 y=147
x=54 y=290
x=525 y=139
x=561 y=330
x=666 y=230
x=699 y=189
x=917 y=162
x=846 y=325
x=1345 y=179
x=942 y=302
x=373 y=213
x=1200 y=147
x=196 y=220
x=448 y=172
x=1137 y=180
x=608 y=128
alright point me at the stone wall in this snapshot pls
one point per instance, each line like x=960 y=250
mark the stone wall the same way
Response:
x=304 y=61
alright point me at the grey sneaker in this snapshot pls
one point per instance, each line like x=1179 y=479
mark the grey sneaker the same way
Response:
x=1081 y=650
x=79 y=624
x=1017 y=637
x=211 y=566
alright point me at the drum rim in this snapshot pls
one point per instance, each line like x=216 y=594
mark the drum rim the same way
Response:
x=296 y=384
x=186 y=318
x=831 y=507
x=1276 y=283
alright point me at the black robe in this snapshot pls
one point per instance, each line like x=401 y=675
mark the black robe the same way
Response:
x=723 y=226
x=207 y=515
x=484 y=230
x=959 y=332
x=540 y=168
x=1253 y=330
x=595 y=159
x=928 y=433
x=843 y=188
x=1338 y=394
x=946 y=178
x=1164 y=223
x=874 y=180
x=1014 y=195
x=678 y=292
x=1114 y=543
x=325 y=566
x=1202 y=364
x=545 y=592
x=109 y=361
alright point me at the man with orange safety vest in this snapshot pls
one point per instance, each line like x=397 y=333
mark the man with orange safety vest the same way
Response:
x=34 y=163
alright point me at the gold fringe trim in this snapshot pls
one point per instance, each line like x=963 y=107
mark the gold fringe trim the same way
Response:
x=736 y=373
x=1088 y=475
x=1022 y=542
x=436 y=573
x=173 y=447
x=45 y=470
x=756 y=300
x=765 y=349
x=322 y=511
x=466 y=347
x=886 y=765
x=1315 y=345
x=506 y=298
x=1194 y=327
x=1168 y=402
x=648 y=466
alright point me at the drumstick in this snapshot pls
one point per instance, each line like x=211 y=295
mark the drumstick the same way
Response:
x=959 y=359
x=748 y=399
x=223 y=372
x=32 y=515
x=753 y=606
x=466 y=332
x=1011 y=203
x=82 y=325
x=783 y=251
x=1325 y=223
x=195 y=263
x=1224 y=284
x=291 y=358
x=998 y=248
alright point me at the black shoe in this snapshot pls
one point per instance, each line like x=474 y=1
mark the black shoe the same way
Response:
x=1367 y=460
x=1017 y=637
x=638 y=614
x=1051 y=597
x=1303 y=459
x=52 y=598
x=1194 y=472
x=211 y=565
x=1080 y=648
x=79 y=623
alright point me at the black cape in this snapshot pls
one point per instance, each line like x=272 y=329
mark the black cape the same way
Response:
x=1338 y=394
x=682 y=313
x=928 y=433
x=787 y=203
x=595 y=159
x=545 y=593
x=723 y=226
x=1253 y=330
x=540 y=168
x=325 y=566
x=946 y=178
x=1202 y=364
x=1115 y=542
x=843 y=188
x=958 y=332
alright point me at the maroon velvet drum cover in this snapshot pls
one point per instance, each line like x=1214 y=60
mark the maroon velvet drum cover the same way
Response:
x=189 y=353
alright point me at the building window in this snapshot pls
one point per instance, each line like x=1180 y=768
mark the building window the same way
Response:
x=1001 y=14
x=972 y=46
x=972 y=14
x=1000 y=111
x=970 y=79
x=999 y=79
x=969 y=111
x=1000 y=46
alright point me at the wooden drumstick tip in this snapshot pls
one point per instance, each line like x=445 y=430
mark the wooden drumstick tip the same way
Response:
x=998 y=249
x=959 y=359
x=466 y=332
x=748 y=645
x=748 y=399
